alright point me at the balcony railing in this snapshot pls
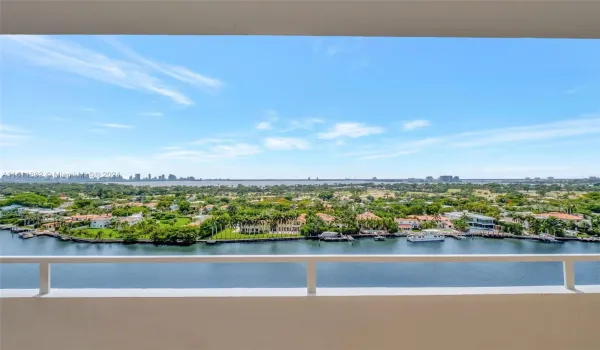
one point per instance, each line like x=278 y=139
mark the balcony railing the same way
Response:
x=311 y=262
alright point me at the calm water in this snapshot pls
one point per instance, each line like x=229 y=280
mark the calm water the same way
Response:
x=293 y=275
x=247 y=182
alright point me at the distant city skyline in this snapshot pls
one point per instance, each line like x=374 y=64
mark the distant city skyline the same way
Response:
x=293 y=107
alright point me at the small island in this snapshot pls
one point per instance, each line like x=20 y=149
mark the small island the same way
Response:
x=185 y=215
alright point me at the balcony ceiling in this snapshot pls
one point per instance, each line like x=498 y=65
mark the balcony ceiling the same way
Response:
x=419 y=18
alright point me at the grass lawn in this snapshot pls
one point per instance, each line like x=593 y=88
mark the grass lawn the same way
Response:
x=181 y=221
x=230 y=234
x=106 y=232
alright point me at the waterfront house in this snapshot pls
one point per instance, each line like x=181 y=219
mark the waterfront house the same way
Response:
x=326 y=217
x=132 y=219
x=101 y=222
x=475 y=221
x=78 y=218
x=255 y=227
x=407 y=223
x=12 y=208
x=440 y=221
x=560 y=216
x=289 y=226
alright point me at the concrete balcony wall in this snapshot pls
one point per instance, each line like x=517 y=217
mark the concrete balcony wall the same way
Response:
x=89 y=321
x=446 y=18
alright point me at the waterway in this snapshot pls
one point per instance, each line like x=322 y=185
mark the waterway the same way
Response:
x=198 y=275
x=235 y=183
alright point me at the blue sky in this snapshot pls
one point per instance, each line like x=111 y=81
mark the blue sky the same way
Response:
x=293 y=107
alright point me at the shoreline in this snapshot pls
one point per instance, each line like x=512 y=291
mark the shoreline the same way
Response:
x=40 y=233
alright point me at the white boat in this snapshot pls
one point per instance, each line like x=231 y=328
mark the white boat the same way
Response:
x=426 y=236
x=544 y=237
x=379 y=238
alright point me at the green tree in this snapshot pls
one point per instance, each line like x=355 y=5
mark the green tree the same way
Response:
x=326 y=195
x=554 y=226
x=461 y=225
x=314 y=226
x=390 y=225
x=184 y=207
x=428 y=224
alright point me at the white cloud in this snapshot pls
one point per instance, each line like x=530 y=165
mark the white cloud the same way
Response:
x=177 y=72
x=234 y=150
x=264 y=126
x=151 y=114
x=87 y=109
x=12 y=129
x=305 y=124
x=416 y=124
x=286 y=143
x=271 y=116
x=116 y=126
x=217 y=152
x=555 y=130
x=483 y=138
x=210 y=140
x=352 y=130
x=388 y=155
x=12 y=135
x=72 y=58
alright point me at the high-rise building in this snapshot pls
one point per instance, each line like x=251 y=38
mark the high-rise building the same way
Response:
x=137 y=177
x=149 y=177
x=172 y=177
x=446 y=178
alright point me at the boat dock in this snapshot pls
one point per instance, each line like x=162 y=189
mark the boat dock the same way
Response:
x=17 y=229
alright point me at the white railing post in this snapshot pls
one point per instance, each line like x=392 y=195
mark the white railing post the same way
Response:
x=569 y=274
x=311 y=277
x=44 y=278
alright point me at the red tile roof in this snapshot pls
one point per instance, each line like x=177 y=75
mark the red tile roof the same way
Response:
x=367 y=216
x=429 y=218
x=325 y=217
x=561 y=216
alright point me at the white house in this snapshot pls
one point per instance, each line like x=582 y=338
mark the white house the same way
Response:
x=132 y=219
x=291 y=226
x=259 y=227
x=475 y=221
x=102 y=222
x=407 y=223
x=174 y=207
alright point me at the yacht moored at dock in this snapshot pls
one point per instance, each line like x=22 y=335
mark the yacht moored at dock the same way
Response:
x=427 y=236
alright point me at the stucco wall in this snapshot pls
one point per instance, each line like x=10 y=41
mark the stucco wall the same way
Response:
x=562 y=321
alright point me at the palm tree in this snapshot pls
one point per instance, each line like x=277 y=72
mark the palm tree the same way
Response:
x=553 y=225
x=535 y=225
